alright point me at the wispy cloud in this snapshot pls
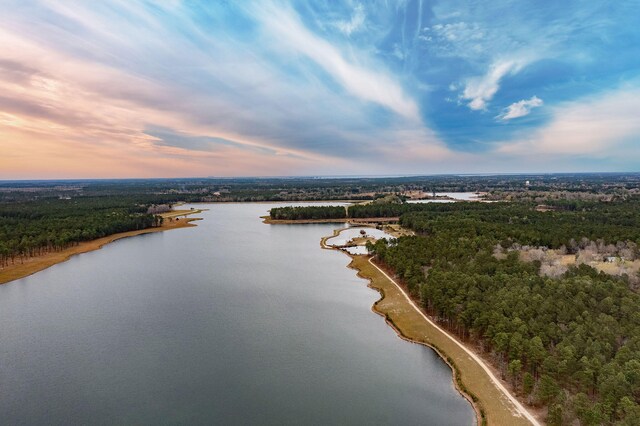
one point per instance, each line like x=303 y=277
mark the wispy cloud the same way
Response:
x=456 y=32
x=480 y=90
x=598 y=125
x=303 y=87
x=366 y=83
x=356 y=22
x=520 y=108
x=164 y=136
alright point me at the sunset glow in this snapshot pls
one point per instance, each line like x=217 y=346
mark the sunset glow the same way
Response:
x=166 y=89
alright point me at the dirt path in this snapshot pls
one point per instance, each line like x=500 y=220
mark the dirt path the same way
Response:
x=401 y=312
x=517 y=405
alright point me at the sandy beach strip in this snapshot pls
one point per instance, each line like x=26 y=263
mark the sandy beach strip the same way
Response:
x=35 y=264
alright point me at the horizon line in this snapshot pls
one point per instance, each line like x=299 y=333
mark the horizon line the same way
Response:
x=327 y=177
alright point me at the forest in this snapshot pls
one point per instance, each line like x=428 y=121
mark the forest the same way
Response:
x=564 y=224
x=571 y=343
x=31 y=228
x=508 y=222
x=356 y=211
x=308 y=212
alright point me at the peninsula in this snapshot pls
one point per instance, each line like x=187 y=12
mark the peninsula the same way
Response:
x=24 y=267
x=473 y=270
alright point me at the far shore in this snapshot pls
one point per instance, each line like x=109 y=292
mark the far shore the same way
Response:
x=276 y=202
x=35 y=264
x=473 y=378
x=350 y=220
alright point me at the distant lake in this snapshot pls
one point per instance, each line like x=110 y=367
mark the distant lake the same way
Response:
x=462 y=196
x=454 y=196
x=231 y=322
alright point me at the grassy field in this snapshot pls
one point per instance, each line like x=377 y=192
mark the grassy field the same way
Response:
x=492 y=405
x=38 y=263
x=397 y=231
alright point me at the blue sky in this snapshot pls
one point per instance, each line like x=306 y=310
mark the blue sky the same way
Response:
x=219 y=88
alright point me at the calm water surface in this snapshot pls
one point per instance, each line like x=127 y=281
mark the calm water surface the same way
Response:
x=462 y=196
x=455 y=196
x=232 y=322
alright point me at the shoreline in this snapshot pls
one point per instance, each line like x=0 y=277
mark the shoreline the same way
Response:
x=472 y=378
x=36 y=264
x=477 y=407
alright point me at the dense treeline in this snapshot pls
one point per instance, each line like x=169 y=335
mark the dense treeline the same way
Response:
x=36 y=227
x=308 y=212
x=570 y=222
x=381 y=209
x=399 y=209
x=571 y=344
x=356 y=211
x=520 y=222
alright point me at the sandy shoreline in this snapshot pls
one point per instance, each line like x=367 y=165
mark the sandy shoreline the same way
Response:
x=492 y=402
x=38 y=263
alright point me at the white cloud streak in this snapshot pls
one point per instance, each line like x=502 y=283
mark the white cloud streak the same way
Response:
x=362 y=82
x=480 y=90
x=520 y=108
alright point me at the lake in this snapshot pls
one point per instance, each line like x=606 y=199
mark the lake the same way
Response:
x=452 y=197
x=230 y=322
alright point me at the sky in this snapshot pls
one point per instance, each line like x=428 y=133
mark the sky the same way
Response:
x=124 y=88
